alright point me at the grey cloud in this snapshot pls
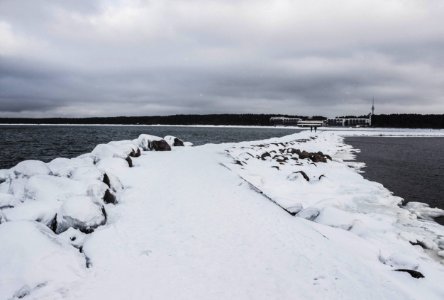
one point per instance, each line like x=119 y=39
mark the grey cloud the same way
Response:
x=107 y=58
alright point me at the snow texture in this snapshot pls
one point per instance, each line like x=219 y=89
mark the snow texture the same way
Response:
x=282 y=218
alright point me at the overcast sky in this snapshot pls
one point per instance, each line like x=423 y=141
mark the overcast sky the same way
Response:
x=159 y=57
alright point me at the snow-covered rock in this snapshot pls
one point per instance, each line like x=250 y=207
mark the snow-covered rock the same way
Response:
x=173 y=141
x=33 y=259
x=81 y=213
x=144 y=141
x=29 y=168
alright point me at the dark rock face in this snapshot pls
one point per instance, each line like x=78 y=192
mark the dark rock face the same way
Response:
x=53 y=224
x=313 y=156
x=303 y=175
x=106 y=180
x=161 y=145
x=109 y=197
x=413 y=273
x=129 y=161
x=238 y=162
x=178 y=143
x=264 y=155
x=135 y=153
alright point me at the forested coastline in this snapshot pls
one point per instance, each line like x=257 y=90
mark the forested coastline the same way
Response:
x=383 y=120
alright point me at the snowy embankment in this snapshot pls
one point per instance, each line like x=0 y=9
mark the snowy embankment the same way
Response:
x=270 y=219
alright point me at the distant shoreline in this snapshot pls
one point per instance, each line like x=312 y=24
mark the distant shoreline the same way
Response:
x=411 y=121
x=439 y=132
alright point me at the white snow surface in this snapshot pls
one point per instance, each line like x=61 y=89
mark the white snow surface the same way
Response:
x=213 y=222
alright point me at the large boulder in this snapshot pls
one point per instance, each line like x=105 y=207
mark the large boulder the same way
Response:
x=81 y=213
x=30 y=168
x=161 y=145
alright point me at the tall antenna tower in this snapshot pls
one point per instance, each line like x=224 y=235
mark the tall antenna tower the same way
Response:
x=373 y=106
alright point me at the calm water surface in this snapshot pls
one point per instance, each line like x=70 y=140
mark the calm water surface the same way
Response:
x=22 y=142
x=412 y=168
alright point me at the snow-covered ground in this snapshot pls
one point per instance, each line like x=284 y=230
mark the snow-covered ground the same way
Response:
x=270 y=219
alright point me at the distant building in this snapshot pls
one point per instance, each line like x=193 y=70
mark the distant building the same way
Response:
x=353 y=121
x=311 y=123
x=347 y=122
x=286 y=121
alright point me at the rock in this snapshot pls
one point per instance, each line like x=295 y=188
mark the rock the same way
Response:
x=109 y=197
x=178 y=143
x=135 y=153
x=309 y=213
x=30 y=168
x=74 y=237
x=161 y=145
x=106 y=180
x=413 y=273
x=419 y=243
x=265 y=155
x=80 y=213
x=174 y=141
x=293 y=210
x=238 y=162
x=313 y=156
x=280 y=158
x=303 y=174
x=129 y=161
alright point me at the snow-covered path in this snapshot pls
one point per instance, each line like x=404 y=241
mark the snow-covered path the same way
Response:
x=188 y=227
x=199 y=232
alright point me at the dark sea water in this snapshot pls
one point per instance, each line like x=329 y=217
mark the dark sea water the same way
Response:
x=412 y=168
x=22 y=142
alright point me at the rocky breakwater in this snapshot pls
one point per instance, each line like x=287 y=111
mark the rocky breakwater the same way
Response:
x=309 y=178
x=56 y=205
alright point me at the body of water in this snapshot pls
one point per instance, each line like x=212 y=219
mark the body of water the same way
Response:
x=22 y=142
x=412 y=168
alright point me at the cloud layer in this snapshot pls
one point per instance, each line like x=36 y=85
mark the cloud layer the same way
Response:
x=108 y=58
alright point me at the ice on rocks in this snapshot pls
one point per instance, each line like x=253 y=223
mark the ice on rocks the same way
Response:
x=424 y=211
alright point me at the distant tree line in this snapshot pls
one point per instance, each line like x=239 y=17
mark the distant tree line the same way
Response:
x=211 y=119
x=392 y=120
x=408 y=121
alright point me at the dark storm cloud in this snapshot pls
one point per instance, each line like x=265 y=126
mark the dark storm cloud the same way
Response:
x=87 y=58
